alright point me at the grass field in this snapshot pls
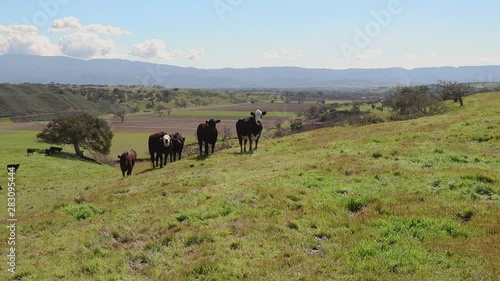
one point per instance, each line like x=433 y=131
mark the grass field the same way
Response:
x=408 y=200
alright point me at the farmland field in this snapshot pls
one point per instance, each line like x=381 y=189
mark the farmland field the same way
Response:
x=408 y=200
x=136 y=128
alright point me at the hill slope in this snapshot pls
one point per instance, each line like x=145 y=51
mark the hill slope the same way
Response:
x=412 y=200
x=36 y=69
x=42 y=102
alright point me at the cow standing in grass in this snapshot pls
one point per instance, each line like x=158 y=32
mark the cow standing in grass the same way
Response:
x=207 y=133
x=127 y=161
x=249 y=127
x=159 y=144
x=177 y=146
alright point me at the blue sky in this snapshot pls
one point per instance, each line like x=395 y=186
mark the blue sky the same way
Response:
x=254 y=33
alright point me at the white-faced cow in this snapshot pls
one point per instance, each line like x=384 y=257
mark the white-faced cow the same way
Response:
x=177 y=146
x=127 y=161
x=249 y=127
x=159 y=144
x=207 y=133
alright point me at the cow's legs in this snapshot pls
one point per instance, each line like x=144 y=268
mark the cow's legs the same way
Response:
x=250 y=140
x=159 y=157
x=129 y=172
x=152 y=158
x=200 y=144
x=240 y=139
x=206 y=148
x=213 y=146
x=257 y=141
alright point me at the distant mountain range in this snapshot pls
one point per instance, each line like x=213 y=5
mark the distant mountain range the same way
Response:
x=42 y=69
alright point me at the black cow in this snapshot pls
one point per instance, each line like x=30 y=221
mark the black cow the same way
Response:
x=249 y=127
x=177 y=146
x=207 y=133
x=12 y=166
x=47 y=151
x=127 y=161
x=30 y=151
x=159 y=144
x=54 y=149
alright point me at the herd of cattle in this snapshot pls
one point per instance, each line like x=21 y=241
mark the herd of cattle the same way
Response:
x=48 y=151
x=161 y=145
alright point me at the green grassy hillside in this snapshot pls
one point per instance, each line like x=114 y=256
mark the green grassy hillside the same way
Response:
x=409 y=200
x=41 y=102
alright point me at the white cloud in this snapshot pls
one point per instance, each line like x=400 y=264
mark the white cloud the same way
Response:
x=152 y=48
x=195 y=54
x=73 y=24
x=155 y=48
x=272 y=55
x=24 y=39
x=175 y=53
x=19 y=29
x=65 y=24
x=85 y=45
x=283 y=54
x=85 y=41
x=107 y=29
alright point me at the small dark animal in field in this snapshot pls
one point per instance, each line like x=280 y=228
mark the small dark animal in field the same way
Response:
x=47 y=151
x=55 y=149
x=177 y=146
x=159 y=144
x=30 y=151
x=127 y=161
x=249 y=127
x=207 y=133
x=12 y=166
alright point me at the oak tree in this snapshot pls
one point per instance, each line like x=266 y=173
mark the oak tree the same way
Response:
x=82 y=130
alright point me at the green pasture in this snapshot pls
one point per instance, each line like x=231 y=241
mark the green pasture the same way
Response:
x=407 y=200
x=15 y=143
